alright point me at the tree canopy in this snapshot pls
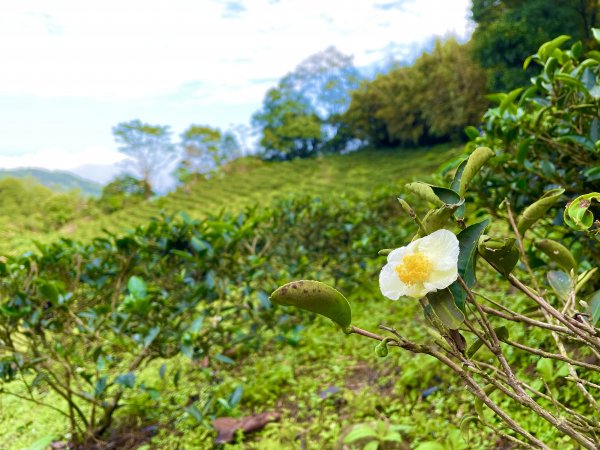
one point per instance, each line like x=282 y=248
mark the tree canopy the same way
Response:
x=508 y=31
x=148 y=146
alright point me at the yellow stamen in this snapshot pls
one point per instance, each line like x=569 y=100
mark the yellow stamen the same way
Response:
x=414 y=268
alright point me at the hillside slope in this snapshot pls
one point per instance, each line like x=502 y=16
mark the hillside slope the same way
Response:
x=56 y=180
x=249 y=182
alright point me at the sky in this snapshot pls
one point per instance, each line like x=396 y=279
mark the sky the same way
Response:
x=71 y=70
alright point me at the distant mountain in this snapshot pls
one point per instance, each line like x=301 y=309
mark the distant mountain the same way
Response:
x=100 y=173
x=56 y=180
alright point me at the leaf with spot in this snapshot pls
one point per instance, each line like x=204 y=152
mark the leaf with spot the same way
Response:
x=538 y=209
x=316 y=297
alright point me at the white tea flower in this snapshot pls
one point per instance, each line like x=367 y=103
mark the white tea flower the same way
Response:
x=425 y=265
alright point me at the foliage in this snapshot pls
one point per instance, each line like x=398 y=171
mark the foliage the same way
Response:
x=463 y=321
x=427 y=102
x=85 y=320
x=122 y=192
x=301 y=116
x=26 y=206
x=245 y=182
x=548 y=135
x=290 y=126
x=204 y=150
x=148 y=147
x=509 y=31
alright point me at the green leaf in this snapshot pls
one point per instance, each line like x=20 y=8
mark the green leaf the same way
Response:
x=577 y=215
x=438 y=218
x=596 y=33
x=584 y=277
x=545 y=367
x=448 y=196
x=100 y=387
x=196 y=325
x=42 y=443
x=583 y=141
x=475 y=162
x=501 y=333
x=126 y=380
x=502 y=254
x=373 y=445
x=316 y=297
x=594 y=305
x=424 y=191
x=430 y=445
x=472 y=133
x=360 y=432
x=509 y=99
x=236 y=396
x=547 y=49
x=538 y=209
x=443 y=304
x=137 y=287
x=48 y=290
x=152 y=333
x=224 y=359
x=467 y=241
x=561 y=284
x=558 y=253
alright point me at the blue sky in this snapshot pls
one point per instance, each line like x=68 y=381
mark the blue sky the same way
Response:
x=71 y=70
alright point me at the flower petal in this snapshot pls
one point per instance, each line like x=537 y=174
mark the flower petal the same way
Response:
x=391 y=286
x=440 y=279
x=397 y=254
x=441 y=247
x=417 y=290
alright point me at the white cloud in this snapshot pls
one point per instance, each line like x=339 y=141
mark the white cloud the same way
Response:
x=71 y=69
x=53 y=158
x=130 y=49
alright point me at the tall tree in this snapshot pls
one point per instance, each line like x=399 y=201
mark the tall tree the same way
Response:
x=200 y=151
x=302 y=114
x=429 y=102
x=325 y=79
x=508 y=31
x=148 y=147
x=290 y=127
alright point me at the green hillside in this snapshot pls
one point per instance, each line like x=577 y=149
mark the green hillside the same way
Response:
x=57 y=180
x=251 y=181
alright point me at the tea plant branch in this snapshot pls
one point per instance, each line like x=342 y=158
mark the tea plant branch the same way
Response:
x=592 y=424
x=556 y=356
x=565 y=320
x=521 y=395
x=509 y=314
x=471 y=384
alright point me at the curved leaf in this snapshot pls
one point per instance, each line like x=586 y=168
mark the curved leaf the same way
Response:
x=501 y=254
x=424 y=191
x=475 y=162
x=557 y=253
x=577 y=215
x=316 y=297
x=538 y=209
